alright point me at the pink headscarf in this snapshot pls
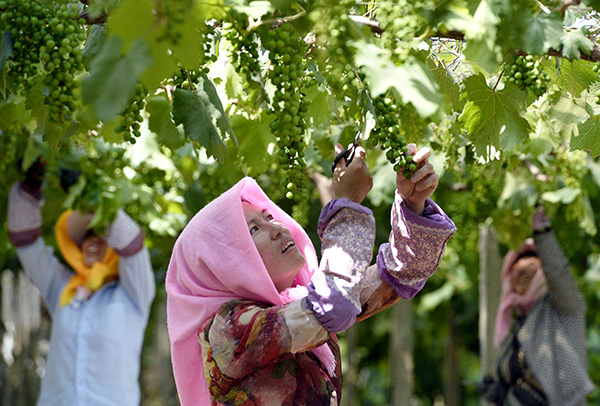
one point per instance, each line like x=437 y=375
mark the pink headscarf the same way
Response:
x=215 y=260
x=511 y=300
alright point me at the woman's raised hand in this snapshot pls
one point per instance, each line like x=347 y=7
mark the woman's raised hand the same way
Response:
x=353 y=181
x=422 y=183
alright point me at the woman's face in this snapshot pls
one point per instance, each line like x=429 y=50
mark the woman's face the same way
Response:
x=522 y=273
x=275 y=245
x=93 y=249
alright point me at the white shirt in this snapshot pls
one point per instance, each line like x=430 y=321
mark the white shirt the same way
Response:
x=95 y=344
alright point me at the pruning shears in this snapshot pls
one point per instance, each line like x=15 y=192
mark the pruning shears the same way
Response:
x=348 y=153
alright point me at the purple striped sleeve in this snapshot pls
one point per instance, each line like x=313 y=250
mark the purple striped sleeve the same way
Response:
x=415 y=247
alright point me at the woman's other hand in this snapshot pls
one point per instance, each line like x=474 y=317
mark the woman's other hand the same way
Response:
x=422 y=183
x=540 y=221
x=353 y=181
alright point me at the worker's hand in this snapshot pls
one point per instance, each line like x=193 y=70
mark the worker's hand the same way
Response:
x=34 y=176
x=353 y=181
x=422 y=183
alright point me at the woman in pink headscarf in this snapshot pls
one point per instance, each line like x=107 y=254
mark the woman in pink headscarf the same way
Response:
x=252 y=314
x=541 y=324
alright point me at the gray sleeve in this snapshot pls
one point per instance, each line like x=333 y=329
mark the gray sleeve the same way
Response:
x=563 y=292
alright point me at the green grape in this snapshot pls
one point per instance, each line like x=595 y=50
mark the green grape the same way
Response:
x=527 y=74
x=131 y=117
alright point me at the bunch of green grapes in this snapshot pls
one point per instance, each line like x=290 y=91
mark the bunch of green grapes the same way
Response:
x=63 y=60
x=289 y=105
x=25 y=22
x=401 y=23
x=393 y=123
x=334 y=32
x=527 y=73
x=243 y=49
x=131 y=117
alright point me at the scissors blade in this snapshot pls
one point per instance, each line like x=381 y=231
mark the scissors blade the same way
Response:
x=352 y=148
x=348 y=153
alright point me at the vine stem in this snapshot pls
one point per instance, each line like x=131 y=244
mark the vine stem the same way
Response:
x=275 y=21
x=498 y=81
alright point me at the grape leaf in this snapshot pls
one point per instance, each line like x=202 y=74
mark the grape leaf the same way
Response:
x=253 y=9
x=191 y=111
x=413 y=81
x=565 y=195
x=574 y=42
x=187 y=48
x=161 y=122
x=543 y=31
x=493 y=118
x=566 y=114
x=208 y=93
x=318 y=110
x=164 y=64
x=481 y=35
x=576 y=76
x=132 y=19
x=208 y=9
x=108 y=133
x=448 y=86
x=95 y=40
x=112 y=79
x=589 y=137
x=254 y=139
x=480 y=53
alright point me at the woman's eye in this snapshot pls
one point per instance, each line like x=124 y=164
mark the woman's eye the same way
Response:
x=253 y=229
x=269 y=217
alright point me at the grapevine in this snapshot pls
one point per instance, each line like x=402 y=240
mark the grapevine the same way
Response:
x=289 y=105
x=527 y=73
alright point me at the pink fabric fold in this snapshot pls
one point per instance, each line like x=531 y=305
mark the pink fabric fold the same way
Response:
x=511 y=301
x=215 y=260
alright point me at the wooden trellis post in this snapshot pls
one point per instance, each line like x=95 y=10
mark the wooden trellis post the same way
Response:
x=490 y=263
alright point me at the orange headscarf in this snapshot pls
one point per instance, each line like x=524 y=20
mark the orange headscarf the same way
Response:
x=91 y=278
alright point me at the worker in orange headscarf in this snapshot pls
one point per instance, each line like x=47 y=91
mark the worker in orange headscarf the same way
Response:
x=99 y=312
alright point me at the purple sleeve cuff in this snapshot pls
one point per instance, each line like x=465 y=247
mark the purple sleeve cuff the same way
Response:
x=416 y=245
x=401 y=289
x=24 y=238
x=134 y=246
x=433 y=216
x=335 y=312
x=335 y=205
